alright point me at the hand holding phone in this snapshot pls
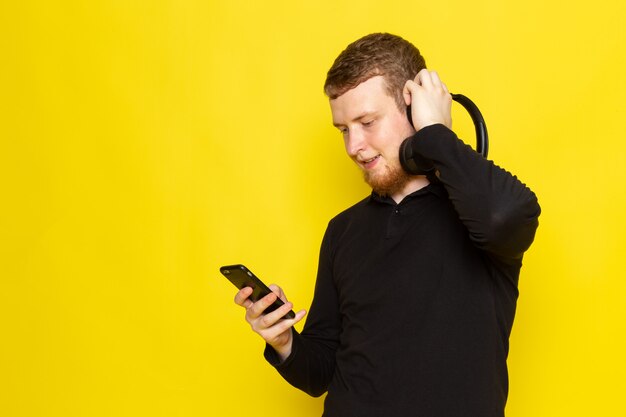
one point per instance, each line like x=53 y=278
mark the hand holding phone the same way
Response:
x=242 y=277
x=253 y=297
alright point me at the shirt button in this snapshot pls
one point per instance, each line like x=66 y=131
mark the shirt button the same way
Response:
x=397 y=211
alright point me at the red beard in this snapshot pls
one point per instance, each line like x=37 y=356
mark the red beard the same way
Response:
x=391 y=181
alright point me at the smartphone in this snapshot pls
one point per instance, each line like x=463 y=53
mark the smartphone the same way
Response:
x=243 y=277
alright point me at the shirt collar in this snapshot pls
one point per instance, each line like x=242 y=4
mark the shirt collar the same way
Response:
x=434 y=187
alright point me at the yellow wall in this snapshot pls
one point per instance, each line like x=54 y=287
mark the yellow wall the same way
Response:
x=146 y=143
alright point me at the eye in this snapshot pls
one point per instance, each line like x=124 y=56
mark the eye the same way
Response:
x=368 y=123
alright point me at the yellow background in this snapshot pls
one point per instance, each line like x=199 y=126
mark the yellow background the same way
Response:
x=146 y=143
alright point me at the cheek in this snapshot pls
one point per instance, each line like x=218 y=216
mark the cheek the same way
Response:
x=394 y=134
x=404 y=127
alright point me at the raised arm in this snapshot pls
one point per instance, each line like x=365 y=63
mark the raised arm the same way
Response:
x=499 y=211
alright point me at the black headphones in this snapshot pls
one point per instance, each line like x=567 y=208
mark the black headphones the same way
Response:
x=413 y=163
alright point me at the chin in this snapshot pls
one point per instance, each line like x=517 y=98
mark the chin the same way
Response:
x=389 y=182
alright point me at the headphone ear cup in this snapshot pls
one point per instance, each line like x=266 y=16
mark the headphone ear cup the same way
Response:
x=414 y=163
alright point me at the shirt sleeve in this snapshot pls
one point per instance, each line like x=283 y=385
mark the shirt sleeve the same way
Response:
x=499 y=211
x=311 y=364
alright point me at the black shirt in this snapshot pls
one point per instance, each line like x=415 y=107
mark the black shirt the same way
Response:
x=414 y=302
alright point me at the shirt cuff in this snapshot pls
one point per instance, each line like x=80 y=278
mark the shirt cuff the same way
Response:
x=431 y=141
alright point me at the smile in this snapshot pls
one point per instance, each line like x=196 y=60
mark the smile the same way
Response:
x=369 y=163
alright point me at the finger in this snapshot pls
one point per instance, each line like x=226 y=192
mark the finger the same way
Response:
x=242 y=297
x=257 y=309
x=269 y=319
x=437 y=83
x=278 y=291
x=282 y=326
x=423 y=78
x=287 y=323
x=435 y=80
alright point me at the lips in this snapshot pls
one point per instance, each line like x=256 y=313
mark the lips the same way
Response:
x=369 y=163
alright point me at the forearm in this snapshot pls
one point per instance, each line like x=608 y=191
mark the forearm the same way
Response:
x=309 y=365
x=498 y=210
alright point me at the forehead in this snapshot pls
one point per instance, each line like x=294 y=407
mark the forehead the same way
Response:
x=369 y=96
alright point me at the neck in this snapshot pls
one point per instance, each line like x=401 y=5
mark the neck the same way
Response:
x=416 y=182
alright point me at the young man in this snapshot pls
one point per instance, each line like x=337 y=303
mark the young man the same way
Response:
x=417 y=283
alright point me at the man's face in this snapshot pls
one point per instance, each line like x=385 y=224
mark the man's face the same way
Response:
x=373 y=128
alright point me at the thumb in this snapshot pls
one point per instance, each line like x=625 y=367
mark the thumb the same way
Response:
x=407 y=91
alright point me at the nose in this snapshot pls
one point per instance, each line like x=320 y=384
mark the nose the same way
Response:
x=354 y=141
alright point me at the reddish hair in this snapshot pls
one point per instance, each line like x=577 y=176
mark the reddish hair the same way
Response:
x=396 y=59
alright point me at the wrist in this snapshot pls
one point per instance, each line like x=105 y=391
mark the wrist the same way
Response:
x=284 y=350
